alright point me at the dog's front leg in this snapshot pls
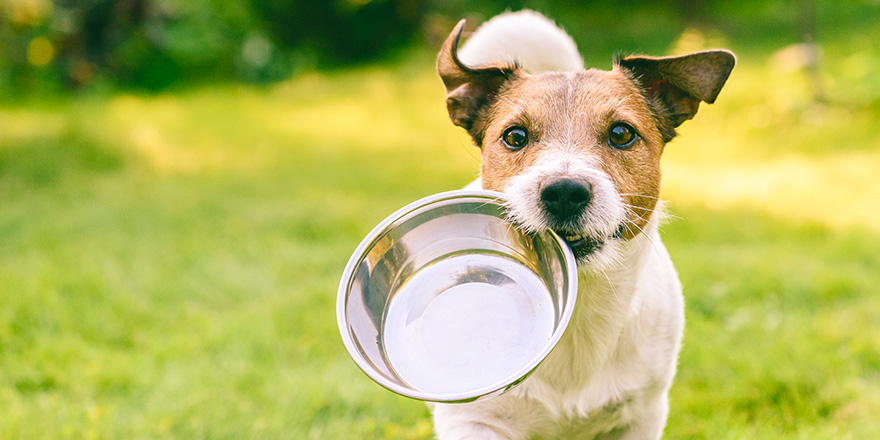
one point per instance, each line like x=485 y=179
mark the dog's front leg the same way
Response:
x=467 y=431
x=649 y=424
x=482 y=420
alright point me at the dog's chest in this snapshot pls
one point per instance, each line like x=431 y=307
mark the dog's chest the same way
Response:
x=600 y=408
x=603 y=373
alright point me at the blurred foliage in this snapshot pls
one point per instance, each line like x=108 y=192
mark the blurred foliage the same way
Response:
x=148 y=43
x=343 y=30
x=56 y=45
x=154 y=43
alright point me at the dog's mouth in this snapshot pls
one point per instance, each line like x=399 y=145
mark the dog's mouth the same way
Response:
x=581 y=246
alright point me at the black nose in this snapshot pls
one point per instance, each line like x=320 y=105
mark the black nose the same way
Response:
x=566 y=198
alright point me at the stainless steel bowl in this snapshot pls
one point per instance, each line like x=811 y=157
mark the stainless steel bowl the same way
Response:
x=445 y=301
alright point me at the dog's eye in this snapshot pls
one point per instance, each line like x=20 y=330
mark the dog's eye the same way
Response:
x=515 y=138
x=621 y=136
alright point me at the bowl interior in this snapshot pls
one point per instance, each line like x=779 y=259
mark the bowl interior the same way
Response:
x=446 y=301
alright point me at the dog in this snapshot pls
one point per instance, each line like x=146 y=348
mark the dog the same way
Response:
x=578 y=151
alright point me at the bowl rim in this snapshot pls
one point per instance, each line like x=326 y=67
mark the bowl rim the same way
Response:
x=501 y=386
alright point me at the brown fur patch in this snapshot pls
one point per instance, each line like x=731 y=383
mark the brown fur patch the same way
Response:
x=470 y=90
x=573 y=113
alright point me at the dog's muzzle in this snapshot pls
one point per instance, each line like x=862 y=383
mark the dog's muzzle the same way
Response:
x=564 y=202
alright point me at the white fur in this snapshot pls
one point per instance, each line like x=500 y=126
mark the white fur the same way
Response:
x=606 y=211
x=610 y=373
x=524 y=37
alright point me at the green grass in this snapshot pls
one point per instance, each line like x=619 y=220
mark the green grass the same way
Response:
x=168 y=264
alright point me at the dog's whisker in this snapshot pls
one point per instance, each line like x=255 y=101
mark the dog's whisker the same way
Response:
x=650 y=239
x=643 y=196
x=611 y=285
x=627 y=205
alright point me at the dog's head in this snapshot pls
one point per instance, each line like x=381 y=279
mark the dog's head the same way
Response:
x=579 y=152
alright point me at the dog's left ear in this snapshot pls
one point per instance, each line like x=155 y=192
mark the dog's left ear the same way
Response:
x=678 y=83
x=470 y=90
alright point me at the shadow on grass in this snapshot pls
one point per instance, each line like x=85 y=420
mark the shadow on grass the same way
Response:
x=39 y=161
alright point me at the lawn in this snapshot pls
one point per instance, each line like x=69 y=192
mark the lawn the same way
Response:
x=169 y=262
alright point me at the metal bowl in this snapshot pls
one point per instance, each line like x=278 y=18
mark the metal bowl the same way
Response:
x=446 y=301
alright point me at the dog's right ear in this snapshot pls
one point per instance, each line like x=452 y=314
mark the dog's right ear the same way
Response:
x=470 y=90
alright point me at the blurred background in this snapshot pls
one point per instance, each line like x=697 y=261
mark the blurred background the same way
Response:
x=181 y=184
x=59 y=46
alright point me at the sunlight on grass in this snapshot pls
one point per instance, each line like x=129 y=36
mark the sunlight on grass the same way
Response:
x=24 y=125
x=834 y=192
x=785 y=155
x=375 y=110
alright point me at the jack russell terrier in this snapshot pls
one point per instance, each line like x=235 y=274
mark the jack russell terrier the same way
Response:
x=578 y=151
